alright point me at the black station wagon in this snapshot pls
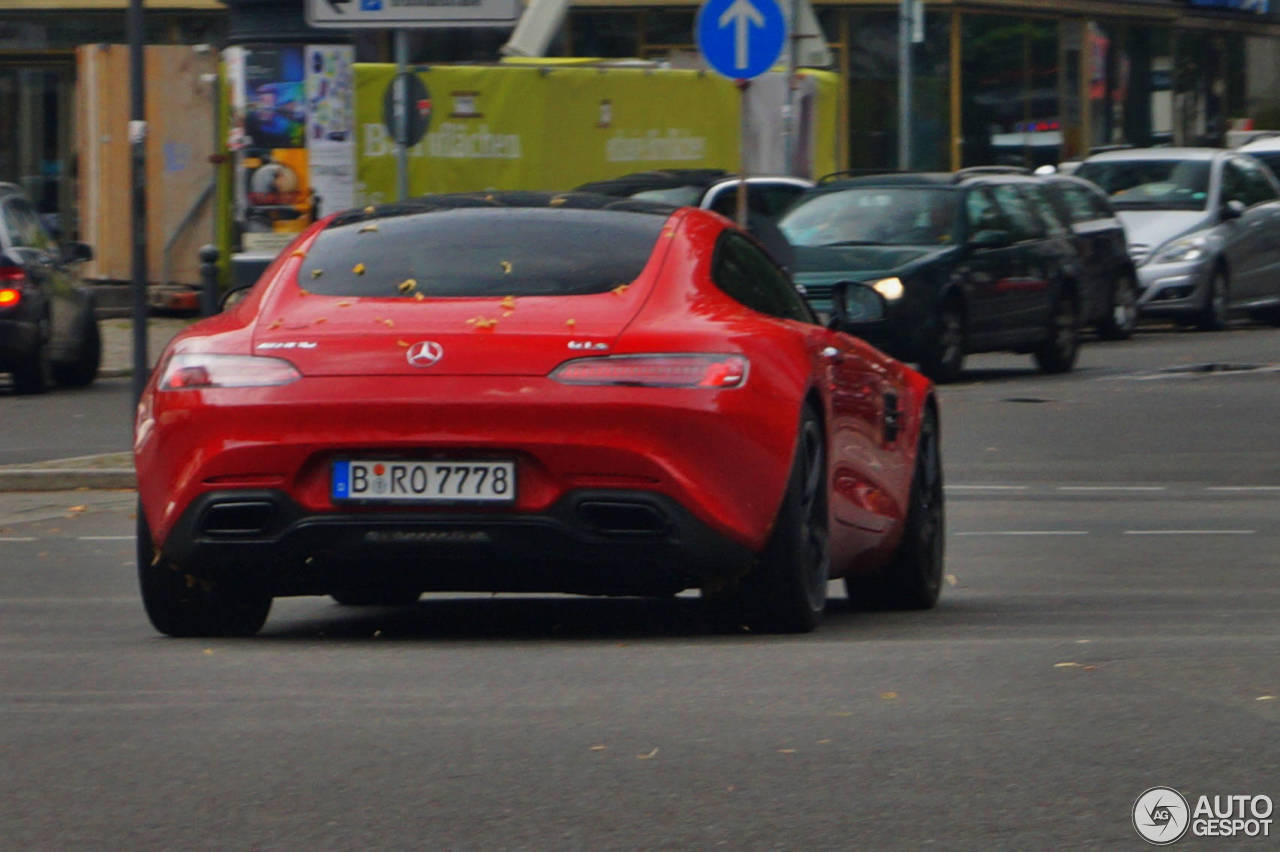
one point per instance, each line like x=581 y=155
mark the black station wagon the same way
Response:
x=971 y=262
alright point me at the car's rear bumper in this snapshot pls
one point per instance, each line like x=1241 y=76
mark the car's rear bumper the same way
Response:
x=723 y=456
x=601 y=541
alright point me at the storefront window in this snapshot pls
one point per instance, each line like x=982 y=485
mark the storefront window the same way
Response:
x=1010 y=91
x=604 y=34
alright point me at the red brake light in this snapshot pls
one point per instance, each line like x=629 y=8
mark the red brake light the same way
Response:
x=12 y=275
x=664 y=371
x=194 y=371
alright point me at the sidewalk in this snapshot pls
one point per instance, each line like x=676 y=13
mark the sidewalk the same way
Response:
x=111 y=470
x=117 y=342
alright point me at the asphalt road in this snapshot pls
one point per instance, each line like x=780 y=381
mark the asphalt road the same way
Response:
x=1109 y=624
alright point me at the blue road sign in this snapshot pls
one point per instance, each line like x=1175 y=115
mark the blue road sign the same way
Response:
x=741 y=38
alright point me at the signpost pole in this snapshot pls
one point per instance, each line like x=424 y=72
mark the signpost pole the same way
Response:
x=402 y=113
x=138 y=181
x=744 y=127
x=904 y=85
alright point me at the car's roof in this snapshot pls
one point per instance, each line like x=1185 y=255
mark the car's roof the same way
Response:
x=1266 y=143
x=888 y=179
x=512 y=199
x=657 y=179
x=1157 y=154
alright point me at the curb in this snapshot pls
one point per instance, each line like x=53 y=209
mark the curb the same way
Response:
x=67 y=479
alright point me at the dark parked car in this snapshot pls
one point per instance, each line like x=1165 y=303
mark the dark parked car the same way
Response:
x=47 y=325
x=1104 y=252
x=970 y=262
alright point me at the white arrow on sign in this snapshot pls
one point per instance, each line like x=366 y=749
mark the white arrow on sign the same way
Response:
x=741 y=14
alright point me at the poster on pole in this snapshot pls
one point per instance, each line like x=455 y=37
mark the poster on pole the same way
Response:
x=331 y=126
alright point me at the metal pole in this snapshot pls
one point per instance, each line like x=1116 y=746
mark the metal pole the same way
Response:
x=138 y=173
x=904 y=85
x=402 y=114
x=743 y=86
x=790 y=124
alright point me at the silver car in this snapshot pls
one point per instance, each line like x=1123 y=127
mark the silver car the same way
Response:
x=1204 y=230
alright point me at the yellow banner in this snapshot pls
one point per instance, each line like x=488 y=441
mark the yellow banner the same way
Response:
x=553 y=128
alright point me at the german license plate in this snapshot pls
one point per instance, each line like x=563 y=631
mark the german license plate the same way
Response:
x=436 y=481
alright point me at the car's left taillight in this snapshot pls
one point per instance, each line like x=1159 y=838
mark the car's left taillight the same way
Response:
x=196 y=371
x=11 y=280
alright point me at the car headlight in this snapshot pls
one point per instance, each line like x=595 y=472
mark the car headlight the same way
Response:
x=1181 y=250
x=890 y=288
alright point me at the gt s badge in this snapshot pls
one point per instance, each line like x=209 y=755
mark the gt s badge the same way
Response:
x=593 y=345
x=289 y=344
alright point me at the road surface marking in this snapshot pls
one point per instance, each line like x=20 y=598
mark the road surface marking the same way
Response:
x=1027 y=532
x=17 y=538
x=1189 y=532
x=1244 y=488
x=1111 y=488
x=107 y=537
x=989 y=487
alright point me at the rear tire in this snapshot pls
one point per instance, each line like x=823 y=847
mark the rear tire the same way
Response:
x=1213 y=316
x=786 y=590
x=34 y=375
x=182 y=602
x=944 y=361
x=1121 y=320
x=1057 y=354
x=913 y=577
x=84 y=369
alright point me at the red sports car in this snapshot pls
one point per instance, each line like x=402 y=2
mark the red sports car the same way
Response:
x=532 y=392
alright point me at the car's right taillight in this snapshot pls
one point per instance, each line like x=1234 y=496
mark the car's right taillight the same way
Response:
x=677 y=370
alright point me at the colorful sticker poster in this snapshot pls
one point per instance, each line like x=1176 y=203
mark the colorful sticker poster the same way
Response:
x=275 y=108
x=330 y=80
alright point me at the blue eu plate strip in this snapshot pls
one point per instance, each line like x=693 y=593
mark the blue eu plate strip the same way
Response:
x=341 y=480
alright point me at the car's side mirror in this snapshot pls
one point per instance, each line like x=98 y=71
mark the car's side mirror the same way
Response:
x=990 y=238
x=77 y=252
x=856 y=308
x=1233 y=209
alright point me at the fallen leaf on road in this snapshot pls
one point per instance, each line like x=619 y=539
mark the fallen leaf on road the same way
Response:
x=208 y=651
x=786 y=751
x=648 y=756
x=951 y=579
x=1067 y=666
x=598 y=748
x=823 y=742
x=840 y=713
x=1265 y=698
x=889 y=696
x=370 y=228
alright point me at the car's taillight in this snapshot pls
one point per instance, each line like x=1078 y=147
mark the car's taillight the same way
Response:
x=193 y=371
x=660 y=371
x=11 y=280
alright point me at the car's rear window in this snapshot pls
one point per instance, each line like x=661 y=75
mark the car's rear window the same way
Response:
x=482 y=252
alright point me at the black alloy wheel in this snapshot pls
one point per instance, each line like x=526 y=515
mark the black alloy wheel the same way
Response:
x=1057 y=354
x=35 y=374
x=84 y=369
x=913 y=577
x=786 y=591
x=1213 y=315
x=182 y=602
x=944 y=361
x=1122 y=319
